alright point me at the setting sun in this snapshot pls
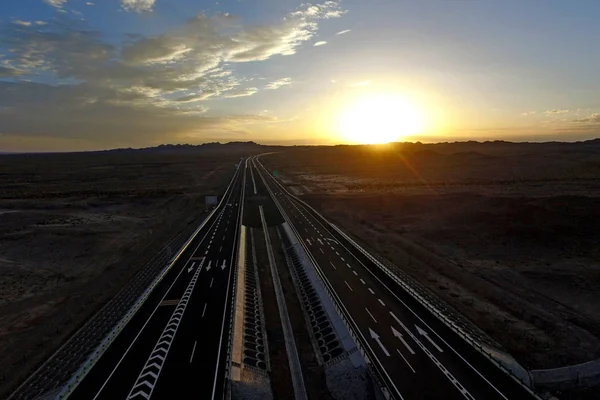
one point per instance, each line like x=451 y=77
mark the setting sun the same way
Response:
x=379 y=118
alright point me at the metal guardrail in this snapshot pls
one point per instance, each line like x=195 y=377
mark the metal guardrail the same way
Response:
x=422 y=295
x=64 y=369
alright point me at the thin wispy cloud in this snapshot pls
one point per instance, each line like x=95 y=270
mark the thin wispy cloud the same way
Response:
x=138 y=5
x=320 y=43
x=279 y=83
x=55 y=3
x=557 y=111
x=344 y=31
x=528 y=113
x=593 y=118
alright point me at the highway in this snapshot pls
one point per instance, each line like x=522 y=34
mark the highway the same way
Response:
x=176 y=343
x=414 y=353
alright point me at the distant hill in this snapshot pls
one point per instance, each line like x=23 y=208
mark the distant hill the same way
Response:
x=212 y=147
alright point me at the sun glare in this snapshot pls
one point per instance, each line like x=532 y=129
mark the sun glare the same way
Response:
x=379 y=118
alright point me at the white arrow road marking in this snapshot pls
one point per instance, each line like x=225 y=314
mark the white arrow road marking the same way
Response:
x=223 y=266
x=406 y=361
x=191 y=267
x=437 y=363
x=399 y=336
x=423 y=333
x=193 y=350
x=208 y=266
x=369 y=312
x=378 y=340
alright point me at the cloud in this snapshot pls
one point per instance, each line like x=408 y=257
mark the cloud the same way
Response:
x=10 y=72
x=138 y=88
x=28 y=23
x=556 y=111
x=528 y=113
x=593 y=118
x=279 y=83
x=137 y=5
x=56 y=3
x=89 y=3
x=241 y=92
x=22 y=23
x=320 y=43
x=344 y=31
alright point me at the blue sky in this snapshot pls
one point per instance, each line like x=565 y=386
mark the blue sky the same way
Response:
x=78 y=74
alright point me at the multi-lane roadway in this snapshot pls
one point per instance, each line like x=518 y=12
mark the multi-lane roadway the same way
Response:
x=415 y=354
x=176 y=342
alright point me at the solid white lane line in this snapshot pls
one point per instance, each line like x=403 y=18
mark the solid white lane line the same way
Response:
x=332 y=265
x=371 y=315
x=211 y=281
x=355 y=273
x=362 y=281
x=193 y=350
x=381 y=302
x=348 y=286
x=406 y=361
x=370 y=290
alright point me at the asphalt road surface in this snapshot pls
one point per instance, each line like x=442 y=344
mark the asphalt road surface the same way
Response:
x=176 y=343
x=417 y=356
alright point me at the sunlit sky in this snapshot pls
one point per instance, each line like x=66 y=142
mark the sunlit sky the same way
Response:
x=81 y=75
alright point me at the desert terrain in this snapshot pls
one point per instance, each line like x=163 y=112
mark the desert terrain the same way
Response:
x=74 y=228
x=504 y=232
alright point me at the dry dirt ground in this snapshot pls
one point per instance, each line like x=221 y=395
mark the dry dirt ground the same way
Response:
x=506 y=233
x=75 y=227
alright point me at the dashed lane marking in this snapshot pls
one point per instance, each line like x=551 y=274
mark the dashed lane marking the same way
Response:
x=193 y=350
x=381 y=302
x=203 y=311
x=355 y=273
x=371 y=290
x=348 y=286
x=362 y=281
x=332 y=265
x=371 y=315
